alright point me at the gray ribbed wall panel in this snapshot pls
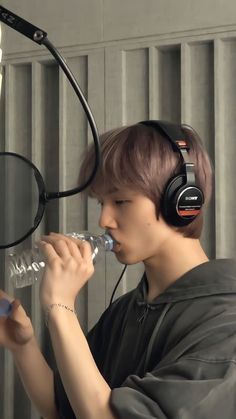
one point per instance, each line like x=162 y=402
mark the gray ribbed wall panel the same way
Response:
x=189 y=79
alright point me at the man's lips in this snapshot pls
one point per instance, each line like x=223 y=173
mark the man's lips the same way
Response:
x=116 y=245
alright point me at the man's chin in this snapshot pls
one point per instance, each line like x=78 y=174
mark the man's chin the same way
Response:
x=125 y=259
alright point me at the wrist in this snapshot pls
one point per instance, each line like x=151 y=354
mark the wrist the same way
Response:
x=58 y=310
x=49 y=301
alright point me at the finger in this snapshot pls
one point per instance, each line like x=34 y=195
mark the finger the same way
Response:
x=54 y=237
x=17 y=313
x=86 y=251
x=51 y=238
x=62 y=248
x=59 y=248
x=4 y=295
x=57 y=236
x=48 y=251
x=67 y=238
x=75 y=250
x=65 y=246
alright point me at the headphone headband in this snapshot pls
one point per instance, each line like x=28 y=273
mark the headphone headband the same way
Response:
x=173 y=132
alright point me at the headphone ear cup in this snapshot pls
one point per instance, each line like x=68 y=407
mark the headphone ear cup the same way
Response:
x=181 y=203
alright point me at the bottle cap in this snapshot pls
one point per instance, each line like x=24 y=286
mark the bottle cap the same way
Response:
x=109 y=241
x=5 y=307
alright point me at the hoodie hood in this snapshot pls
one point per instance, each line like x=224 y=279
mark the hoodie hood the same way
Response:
x=210 y=278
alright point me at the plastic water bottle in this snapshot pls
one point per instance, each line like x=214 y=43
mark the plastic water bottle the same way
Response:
x=26 y=268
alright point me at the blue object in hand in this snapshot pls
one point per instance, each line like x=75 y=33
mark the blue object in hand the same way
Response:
x=5 y=307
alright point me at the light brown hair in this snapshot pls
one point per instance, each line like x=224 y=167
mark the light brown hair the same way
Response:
x=141 y=158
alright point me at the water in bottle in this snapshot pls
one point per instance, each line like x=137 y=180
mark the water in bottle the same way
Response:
x=26 y=268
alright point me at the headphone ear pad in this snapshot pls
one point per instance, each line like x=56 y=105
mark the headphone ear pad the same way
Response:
x=168 y=206
x=181 y=203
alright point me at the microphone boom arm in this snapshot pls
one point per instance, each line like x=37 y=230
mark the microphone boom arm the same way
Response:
x=20 y=25
x=40 y=37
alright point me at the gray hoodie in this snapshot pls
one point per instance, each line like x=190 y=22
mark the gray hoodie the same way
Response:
x=172 y=358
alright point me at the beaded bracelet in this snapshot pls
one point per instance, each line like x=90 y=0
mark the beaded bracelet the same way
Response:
x=51 y=306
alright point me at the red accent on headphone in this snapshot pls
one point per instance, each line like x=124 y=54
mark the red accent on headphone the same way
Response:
x=188 y=212
x=181 y=143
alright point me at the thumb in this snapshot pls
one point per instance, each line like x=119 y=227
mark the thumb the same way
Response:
x=17 y=313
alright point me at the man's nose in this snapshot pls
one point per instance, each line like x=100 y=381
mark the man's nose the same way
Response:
x=107 y=218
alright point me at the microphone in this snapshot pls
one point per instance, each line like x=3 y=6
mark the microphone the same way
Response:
x=20 y=25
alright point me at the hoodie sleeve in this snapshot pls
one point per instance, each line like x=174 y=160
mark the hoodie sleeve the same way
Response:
x=187 y=389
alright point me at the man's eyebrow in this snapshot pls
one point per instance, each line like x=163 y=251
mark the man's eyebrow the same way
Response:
x=109 y=192
x=98 y=196
x=113 y=190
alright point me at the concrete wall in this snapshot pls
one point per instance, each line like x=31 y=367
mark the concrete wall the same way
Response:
x=133 y=59
x=80 y=22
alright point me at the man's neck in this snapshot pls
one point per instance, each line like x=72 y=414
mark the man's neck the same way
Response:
x=177 y=256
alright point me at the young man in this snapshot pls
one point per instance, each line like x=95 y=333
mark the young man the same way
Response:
x=166 y=349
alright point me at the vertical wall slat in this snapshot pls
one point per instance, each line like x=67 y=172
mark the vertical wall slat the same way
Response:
x=8 y=368
x=18 y=133
x=73 y=138
x=62 y=149
x=225 y=67
x=198 y=111
x=127 y=80
x=219 y=144
x=96 y=289
x=114 y=117
x=113 y=112
x=2 y=224
x=21 y=142
x=50 y=141
x=72 y=135
x=168 y=70
x=135 y=85
x=2 y=109
x=153 y=85
x=36 y=152
x=185 y=84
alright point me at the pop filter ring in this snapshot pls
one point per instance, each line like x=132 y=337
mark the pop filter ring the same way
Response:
x=41 y=202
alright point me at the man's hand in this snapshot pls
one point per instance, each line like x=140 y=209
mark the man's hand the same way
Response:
x=68 y=267
x=16 y=328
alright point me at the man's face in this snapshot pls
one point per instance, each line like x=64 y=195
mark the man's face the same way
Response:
x=130 y=218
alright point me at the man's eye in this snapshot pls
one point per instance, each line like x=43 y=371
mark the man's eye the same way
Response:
x=121 y=201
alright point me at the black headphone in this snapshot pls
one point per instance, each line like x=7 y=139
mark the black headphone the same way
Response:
x=182 y=199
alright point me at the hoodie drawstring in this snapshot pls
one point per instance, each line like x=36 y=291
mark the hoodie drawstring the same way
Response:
x=154 y=334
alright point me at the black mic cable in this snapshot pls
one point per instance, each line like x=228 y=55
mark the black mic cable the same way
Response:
x=116 y=286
